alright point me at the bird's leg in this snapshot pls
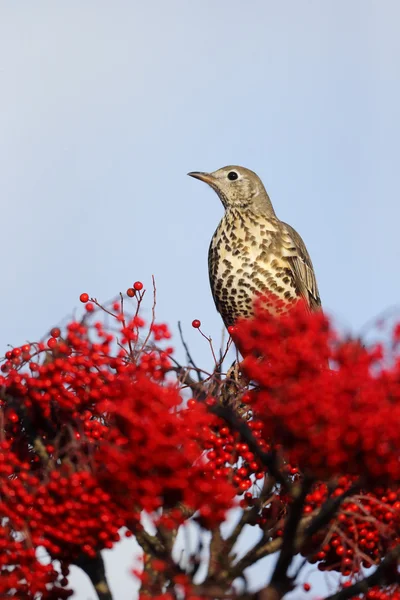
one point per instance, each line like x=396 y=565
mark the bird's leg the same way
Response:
x=234 y=384
x=234 y=374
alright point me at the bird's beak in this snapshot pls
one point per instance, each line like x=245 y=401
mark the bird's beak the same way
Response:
x=206 y=177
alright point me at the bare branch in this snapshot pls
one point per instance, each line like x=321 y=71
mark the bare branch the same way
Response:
x=94 y=569
x=280 y=579
x=330 y=508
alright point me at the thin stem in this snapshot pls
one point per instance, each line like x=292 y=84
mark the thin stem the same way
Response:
x=188 y=354
x=153 y=314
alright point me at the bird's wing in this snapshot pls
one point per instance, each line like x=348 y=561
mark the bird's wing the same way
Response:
x=213 y=271
x=296 y=254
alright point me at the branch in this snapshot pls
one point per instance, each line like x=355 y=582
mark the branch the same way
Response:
x=260 y=550
x=307 y=526
x=330 y=508
x=296 y=532
x=267 y=459
x=150 y=544
x=249 y=517
x=280 y=580
x=94 y=569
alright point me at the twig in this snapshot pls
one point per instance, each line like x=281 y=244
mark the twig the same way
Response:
x=188 y=355
x=353 y=545
x=103 y=308
x=153 y=315
x=124 y=325
x=330 y=508
x=223 y=355
x=209 y=340
x=247 y=517
x=263 y=548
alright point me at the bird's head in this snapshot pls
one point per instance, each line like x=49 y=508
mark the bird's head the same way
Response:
x=238 y=188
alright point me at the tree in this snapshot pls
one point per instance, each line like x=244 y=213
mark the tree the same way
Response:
x=100 y=423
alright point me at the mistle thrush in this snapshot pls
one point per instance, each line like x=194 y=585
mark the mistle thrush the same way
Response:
x=252 y=252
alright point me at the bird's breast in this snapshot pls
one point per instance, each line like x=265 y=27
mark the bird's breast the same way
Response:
x=245 y=260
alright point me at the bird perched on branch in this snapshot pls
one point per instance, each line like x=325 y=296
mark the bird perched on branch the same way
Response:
x=252 y=252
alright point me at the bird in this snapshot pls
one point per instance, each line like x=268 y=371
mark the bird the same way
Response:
x=252 y=253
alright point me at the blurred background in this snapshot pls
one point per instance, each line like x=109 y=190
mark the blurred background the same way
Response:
x=104 y=108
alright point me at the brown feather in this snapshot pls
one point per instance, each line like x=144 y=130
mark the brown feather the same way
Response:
x=303 y=270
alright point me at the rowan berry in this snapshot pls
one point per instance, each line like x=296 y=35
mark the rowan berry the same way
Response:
x=52 y=342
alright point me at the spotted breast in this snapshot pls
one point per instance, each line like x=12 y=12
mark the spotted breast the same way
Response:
x=246 y=259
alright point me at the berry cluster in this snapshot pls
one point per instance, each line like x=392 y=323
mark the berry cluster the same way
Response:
x=152 y=455
x=364 y=530
x=95 y=430
x=94 y=433
x=330 y=420
x=232 y=459
x=375 y=593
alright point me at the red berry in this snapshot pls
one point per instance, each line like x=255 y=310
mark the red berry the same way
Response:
x=84 y=298
x=52 y=342
x=246 y=398
x=307 y=587
x=138 y=285
x=130 y=292
x=196 y=323
x=55 y=332
x=13 y=417
x=89 y=307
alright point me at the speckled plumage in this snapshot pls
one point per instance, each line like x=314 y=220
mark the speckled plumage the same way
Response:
x=252 y=252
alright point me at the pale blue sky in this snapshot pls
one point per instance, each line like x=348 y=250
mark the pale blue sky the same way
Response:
x=105 y=106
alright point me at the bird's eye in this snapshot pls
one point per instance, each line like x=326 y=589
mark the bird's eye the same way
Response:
x=232 y=175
